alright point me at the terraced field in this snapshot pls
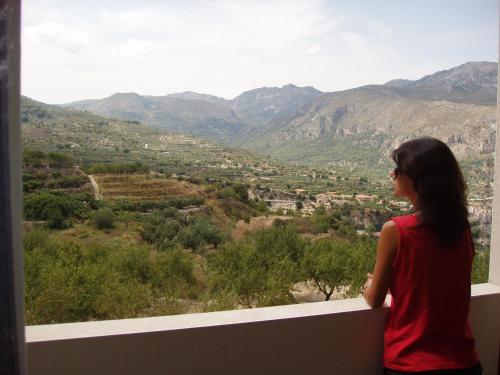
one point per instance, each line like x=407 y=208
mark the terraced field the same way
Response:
x=144 y=188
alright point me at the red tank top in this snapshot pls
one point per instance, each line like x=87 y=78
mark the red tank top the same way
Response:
x=428 y=327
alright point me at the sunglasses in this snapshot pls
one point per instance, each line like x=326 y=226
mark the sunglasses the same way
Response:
x=395 y=173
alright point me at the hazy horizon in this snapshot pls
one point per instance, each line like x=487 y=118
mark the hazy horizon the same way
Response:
x=90 y=49
x=207 y=93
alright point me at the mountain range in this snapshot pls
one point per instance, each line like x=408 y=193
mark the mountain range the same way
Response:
x=303 y=124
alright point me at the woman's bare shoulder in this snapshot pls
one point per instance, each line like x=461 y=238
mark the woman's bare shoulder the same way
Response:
x=389 y=226
x=390 y=232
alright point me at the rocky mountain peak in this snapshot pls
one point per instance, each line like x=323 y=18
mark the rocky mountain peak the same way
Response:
x=399 y=83
x=469 y=77
x=118 y=95
x=472 y=82
x=260 y=105
x=191 y=95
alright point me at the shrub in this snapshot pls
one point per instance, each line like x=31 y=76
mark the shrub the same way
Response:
x=162 y=233
x=56 y=220
x=320 y=221
x=227 y=193
x=103 y=219
x=42 y=205
x=32 y=185
x=242 y=192
x=72 y=181
x=144 y=206
x=202 y=230
x=172 y=274
x=277 y=223
x=319 y=226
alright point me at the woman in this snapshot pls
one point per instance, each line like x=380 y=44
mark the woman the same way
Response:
x=425 y=261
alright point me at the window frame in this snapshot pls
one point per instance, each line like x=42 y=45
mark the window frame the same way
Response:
x=12 y=253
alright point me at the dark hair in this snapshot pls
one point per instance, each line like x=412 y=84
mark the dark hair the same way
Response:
x=440 y=185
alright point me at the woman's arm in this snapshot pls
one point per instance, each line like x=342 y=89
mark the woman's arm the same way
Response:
x=377 y=284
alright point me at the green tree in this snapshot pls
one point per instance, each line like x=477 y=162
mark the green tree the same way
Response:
x=34 y=158
x=262 y=206
x=320 y=221
x=260 y=270
x=66 y=281
x=173 y=274
x=43 y=205
x=58 y=160
x=325 y=265
x=233 y=273
x=338 y=264
x=202 y=230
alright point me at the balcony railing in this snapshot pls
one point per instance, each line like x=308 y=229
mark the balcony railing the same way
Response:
x=338 y=337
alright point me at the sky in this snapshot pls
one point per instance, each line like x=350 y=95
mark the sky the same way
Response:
x=88 y=49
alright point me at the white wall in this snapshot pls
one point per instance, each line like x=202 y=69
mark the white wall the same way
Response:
x=338 y=337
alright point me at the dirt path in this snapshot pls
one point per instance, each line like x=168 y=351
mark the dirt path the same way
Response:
x=95 y=187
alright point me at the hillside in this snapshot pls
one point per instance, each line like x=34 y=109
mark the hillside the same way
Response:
x=91 y=138
x=259 y=106
x=373 y=119
x=188 y=114
x=200 y=114
x=358 y=128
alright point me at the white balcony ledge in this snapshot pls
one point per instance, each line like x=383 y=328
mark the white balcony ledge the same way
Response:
x=338 y=337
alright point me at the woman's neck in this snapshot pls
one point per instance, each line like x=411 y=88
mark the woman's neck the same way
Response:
x=414 y=202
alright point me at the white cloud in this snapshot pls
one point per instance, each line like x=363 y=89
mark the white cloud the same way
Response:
x=57 y=35
x=147 y=19
x=276 y=24
x=313 y=49
x=134 y=48
x=385 y=30
x=354 y=41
